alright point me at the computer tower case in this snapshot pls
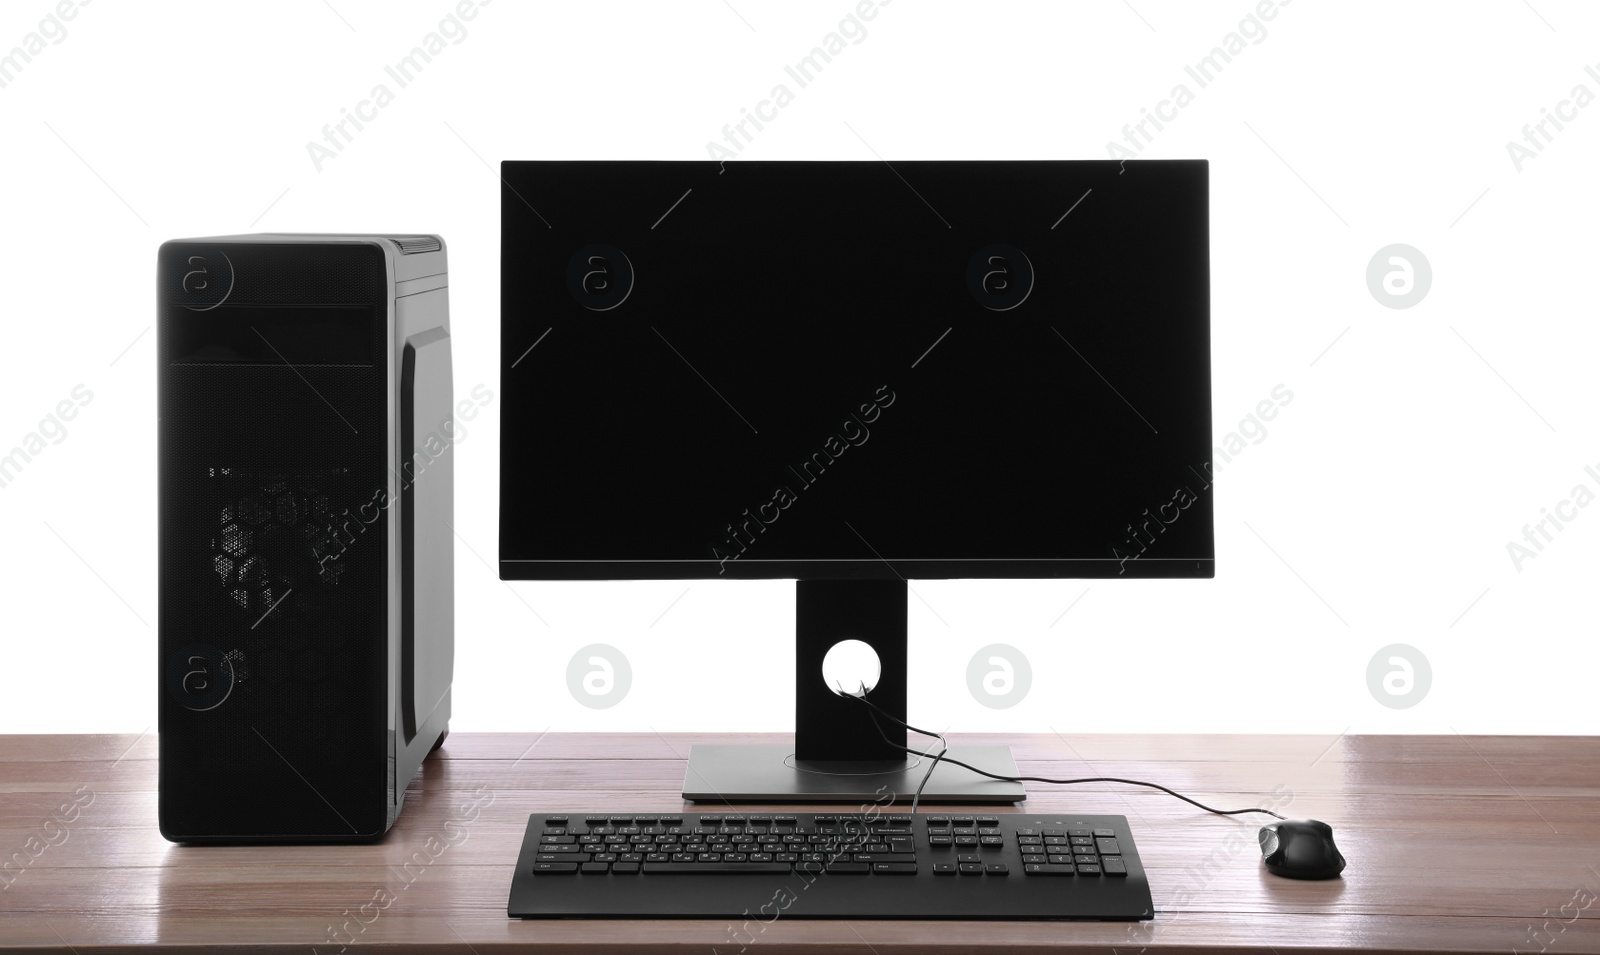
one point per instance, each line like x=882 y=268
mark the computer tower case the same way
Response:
x=306 y=620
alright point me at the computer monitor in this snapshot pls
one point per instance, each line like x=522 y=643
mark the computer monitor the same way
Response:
x=854 y=374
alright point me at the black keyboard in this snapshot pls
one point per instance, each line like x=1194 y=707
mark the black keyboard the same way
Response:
x=829 y=866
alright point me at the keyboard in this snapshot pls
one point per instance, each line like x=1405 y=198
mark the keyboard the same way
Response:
x=1018 y=866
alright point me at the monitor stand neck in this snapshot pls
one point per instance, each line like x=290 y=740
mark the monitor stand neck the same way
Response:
x=830 y=727
x=843 y=751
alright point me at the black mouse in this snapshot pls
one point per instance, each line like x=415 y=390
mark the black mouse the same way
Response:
x=1300 y=849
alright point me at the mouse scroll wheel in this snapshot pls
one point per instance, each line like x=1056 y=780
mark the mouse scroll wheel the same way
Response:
x=1269 y=841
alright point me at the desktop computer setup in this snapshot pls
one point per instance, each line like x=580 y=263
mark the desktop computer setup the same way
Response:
x=848 y=374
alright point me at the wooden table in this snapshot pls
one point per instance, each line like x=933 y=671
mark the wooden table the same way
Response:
x=1455 y=844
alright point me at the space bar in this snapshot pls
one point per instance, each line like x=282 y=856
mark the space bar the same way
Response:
x=716 y=868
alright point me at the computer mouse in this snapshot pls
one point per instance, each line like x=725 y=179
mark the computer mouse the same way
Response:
x=1300 y=849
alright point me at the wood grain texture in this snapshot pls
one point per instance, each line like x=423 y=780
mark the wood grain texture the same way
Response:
x=1455 y=844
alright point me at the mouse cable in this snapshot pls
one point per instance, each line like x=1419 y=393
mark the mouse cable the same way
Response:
x=1034 y=779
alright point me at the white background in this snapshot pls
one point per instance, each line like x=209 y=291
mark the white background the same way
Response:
x=1376 y=509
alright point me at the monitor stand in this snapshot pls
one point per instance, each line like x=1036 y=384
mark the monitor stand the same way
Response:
x=840 y=755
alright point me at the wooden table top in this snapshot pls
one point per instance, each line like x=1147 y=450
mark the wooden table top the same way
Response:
x=1455 y=844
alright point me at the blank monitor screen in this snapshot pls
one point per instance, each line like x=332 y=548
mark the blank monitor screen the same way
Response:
x=855 y=370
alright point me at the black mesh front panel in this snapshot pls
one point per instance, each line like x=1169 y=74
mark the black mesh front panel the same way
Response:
x=274 y=571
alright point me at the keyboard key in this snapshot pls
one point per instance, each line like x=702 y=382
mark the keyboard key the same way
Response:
x=1060 y=860
x=1079 y=832
x=1062 y=832
x=1108 y=847
x=1115 y=866
x=1049 y=870
x=988 y=820
x=550 y=857
x=899 y=820
x=938 y=840
x=561 y=848
x=991 y=841
x=966 y=840
x=554 y=868
x=1105 y=832
x=894 y=868
x=670 y=820
x=625 y=867
x=1034 y=860
x=557 y=840
x=1082 y=841
x=555 y=820
x=938 y=820
x=554 y=831
x=595 y=820
x=596 y=867
x=970 y=868
x=944 y=868
x=968 y=857
x=845 y=868
x=1088 y=870
x=997 y=868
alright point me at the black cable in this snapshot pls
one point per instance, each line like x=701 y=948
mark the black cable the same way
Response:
x=944 y=747
x=1041 y=779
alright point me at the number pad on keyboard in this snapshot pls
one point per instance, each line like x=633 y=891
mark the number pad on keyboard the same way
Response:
x=1054 y=851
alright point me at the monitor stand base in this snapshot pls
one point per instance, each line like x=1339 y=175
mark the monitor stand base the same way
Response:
x=762 y=773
